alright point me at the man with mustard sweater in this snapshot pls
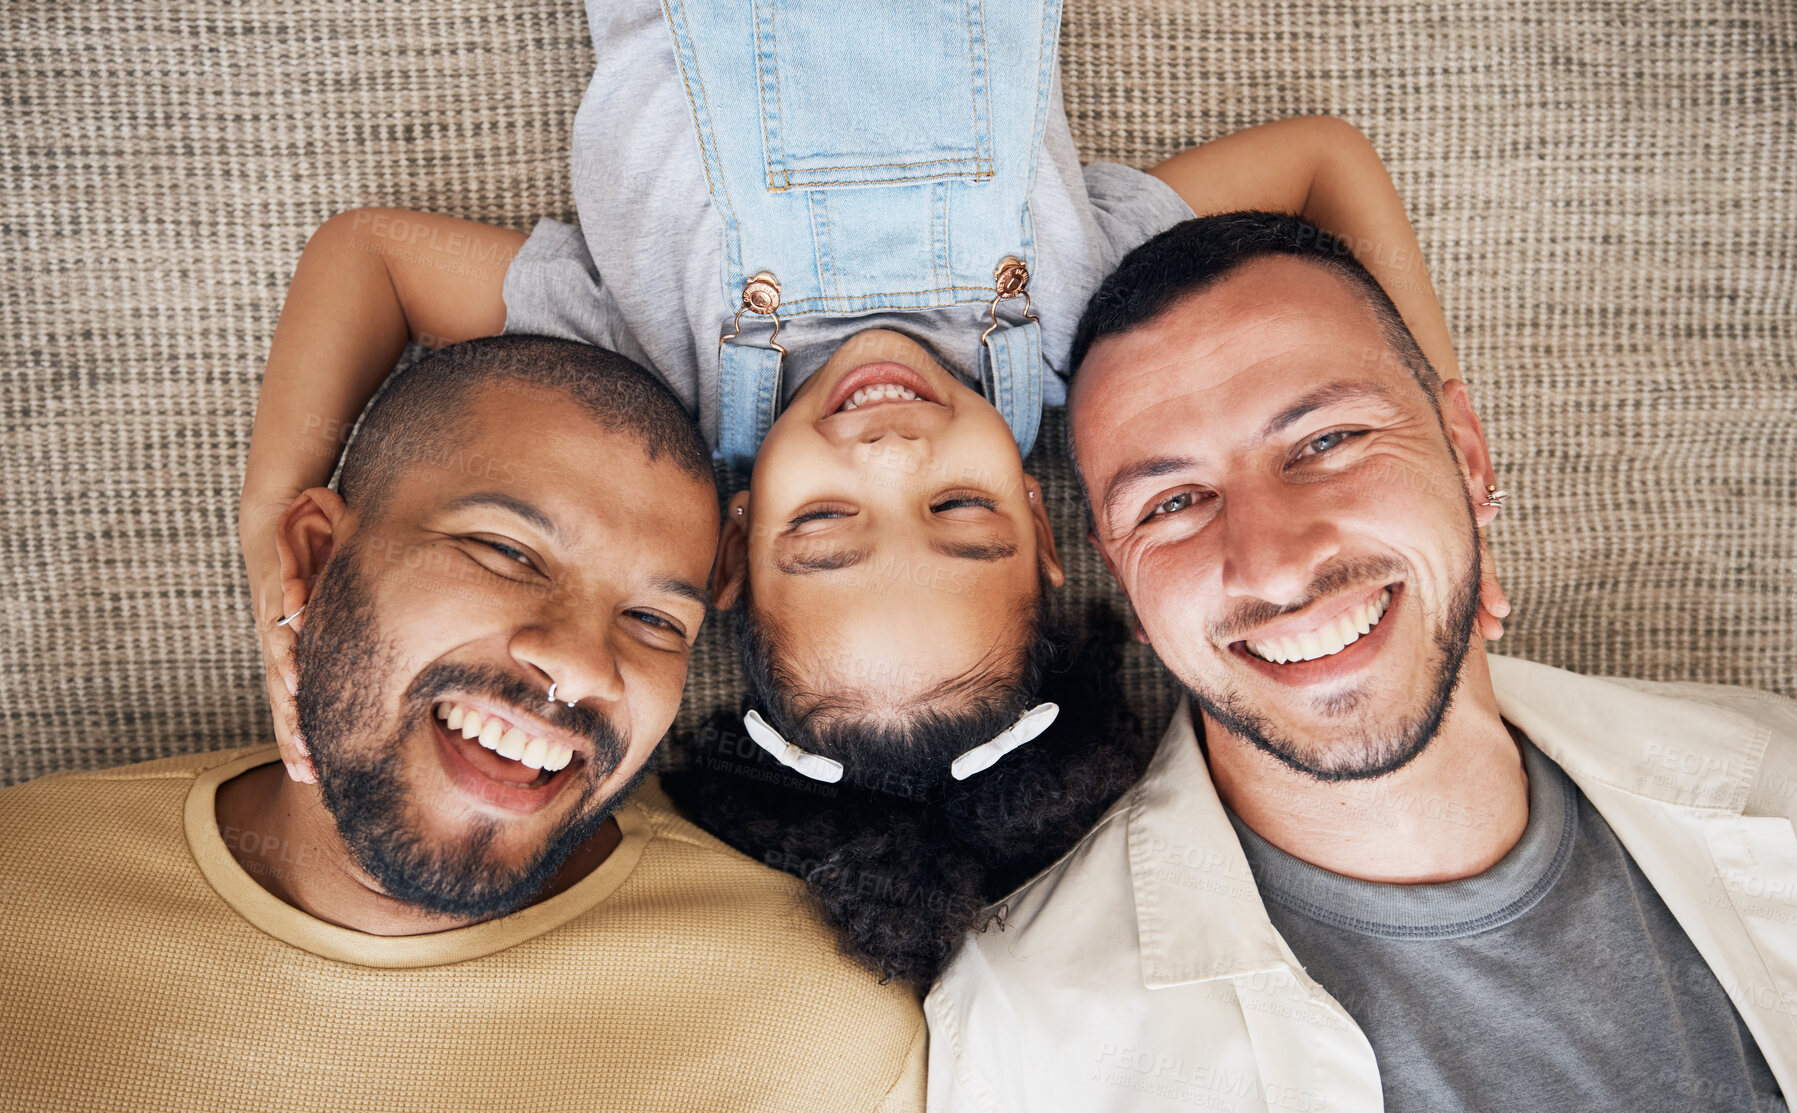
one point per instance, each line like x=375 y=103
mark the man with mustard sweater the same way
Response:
x=466 y=895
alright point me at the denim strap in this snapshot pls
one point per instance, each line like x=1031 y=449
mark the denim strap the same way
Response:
x=1013 y=380
x=749 y=397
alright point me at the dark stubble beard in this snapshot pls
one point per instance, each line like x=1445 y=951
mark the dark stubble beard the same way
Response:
x=1373 y=752
x=345 y=667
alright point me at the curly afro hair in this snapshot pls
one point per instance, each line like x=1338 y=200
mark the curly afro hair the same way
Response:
x=903 y=858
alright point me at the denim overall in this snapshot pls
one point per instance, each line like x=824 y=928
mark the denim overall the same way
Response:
x=867 y=156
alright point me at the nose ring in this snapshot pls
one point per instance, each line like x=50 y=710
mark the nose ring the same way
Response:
x=567 y=702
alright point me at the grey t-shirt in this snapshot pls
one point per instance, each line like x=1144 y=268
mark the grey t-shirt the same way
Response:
x=643 y=274
x=1557 y=979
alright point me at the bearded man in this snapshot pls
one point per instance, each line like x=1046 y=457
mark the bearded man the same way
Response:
x=466 y=894
x=1370 y=866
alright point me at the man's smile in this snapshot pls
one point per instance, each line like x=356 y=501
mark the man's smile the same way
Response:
x=1322 y=633
x=511 y=737
x=487 y=771
x=1312 y=649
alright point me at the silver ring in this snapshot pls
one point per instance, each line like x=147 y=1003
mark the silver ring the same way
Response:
x=567 y=702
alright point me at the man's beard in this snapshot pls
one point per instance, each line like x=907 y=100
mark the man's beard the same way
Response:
x=344 y=664
x=1374 y=752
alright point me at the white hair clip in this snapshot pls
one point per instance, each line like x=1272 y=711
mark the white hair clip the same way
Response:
x=977 y=760
x=816 y=766
x=982 y=757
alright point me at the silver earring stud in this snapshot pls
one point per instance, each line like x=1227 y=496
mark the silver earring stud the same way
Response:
x=567 y=702
x=287 y=618
x=1494 y=497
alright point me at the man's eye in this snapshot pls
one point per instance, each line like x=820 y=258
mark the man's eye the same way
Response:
x=1171 y=505
x=506 y=551
x=1319 y=445
x=960 y=501
x=649 y=618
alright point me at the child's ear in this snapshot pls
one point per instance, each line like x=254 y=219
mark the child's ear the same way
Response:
x=1046 y=553
x=731 y=568
x=305 y=537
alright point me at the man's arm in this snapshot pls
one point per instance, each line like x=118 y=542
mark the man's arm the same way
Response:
x=1324 y=170
x=369 y=281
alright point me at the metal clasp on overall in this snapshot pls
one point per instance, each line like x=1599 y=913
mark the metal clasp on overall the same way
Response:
x=1010 y=279
x=761 y=294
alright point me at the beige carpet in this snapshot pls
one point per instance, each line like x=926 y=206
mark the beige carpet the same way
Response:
x=1604 y=190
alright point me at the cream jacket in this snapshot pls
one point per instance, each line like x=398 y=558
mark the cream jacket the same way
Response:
x=1141 y=972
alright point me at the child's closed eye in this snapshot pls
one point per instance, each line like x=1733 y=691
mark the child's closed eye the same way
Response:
x=960 y=502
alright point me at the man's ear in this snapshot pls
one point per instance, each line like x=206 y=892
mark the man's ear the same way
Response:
x=1468 y=438
x=1046 y=553
x=306 y=536
x=730 y=570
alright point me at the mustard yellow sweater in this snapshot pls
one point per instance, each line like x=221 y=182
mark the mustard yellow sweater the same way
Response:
x=142 y=969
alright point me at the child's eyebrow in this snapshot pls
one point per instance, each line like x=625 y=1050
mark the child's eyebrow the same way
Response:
x=823 y=562
x=976 y=550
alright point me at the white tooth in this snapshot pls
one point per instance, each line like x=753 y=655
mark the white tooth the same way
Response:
x=534 y=752
x=858 y=397
x=1284 y=651
x=471 y=725
x=1309 y=646
x=490 y=732
x=1344 y=626
x=1260 y=650
x=558 y=757
x=1330 y=639
x=443 y=710
x=454 y=722
x=1363 y=618
x=511 y=744
x=907 y=394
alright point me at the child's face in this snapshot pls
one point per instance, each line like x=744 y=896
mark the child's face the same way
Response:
x=895 y=542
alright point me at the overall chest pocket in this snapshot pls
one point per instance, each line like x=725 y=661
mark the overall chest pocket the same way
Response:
x=871 y=92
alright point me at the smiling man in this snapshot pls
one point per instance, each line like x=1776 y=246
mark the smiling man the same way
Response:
x=1370 y=867
x=466 y=895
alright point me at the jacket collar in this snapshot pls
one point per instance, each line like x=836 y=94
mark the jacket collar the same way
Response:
x=1686 y=752
x=1199 y=915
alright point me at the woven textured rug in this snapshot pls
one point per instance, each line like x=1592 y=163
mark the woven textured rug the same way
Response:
x=1603 y=190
